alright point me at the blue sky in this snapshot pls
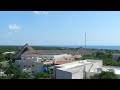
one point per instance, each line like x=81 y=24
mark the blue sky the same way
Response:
x=59 y=27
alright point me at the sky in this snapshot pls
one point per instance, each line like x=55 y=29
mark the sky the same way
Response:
x=59 y=27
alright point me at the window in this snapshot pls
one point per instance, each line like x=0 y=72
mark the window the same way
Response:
x=24 y=65
x=32 y=65
x=29 y=66
x=18 y=65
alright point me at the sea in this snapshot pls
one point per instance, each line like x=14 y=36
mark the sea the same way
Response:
x=91 y=47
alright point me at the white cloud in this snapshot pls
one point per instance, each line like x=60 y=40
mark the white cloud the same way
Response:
x=40 y=12
x=14 y=27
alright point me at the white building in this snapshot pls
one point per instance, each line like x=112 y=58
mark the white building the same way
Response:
x=113 y=69
x=48 y=57
x=76 y=70
x=13 y=52
x=30 y=65
x=82 y=69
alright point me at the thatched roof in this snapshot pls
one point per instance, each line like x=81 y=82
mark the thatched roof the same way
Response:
x=55 y=52
x=26 y=49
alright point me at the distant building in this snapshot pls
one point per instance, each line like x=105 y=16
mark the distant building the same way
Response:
x=9 y=52
x=26 y=50
x=29 y=60
x=45 y=55
x=116 y=57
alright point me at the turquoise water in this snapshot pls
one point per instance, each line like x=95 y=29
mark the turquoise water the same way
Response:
x=92 y=47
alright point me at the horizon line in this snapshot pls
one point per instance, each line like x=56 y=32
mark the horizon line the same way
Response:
x=60 y=45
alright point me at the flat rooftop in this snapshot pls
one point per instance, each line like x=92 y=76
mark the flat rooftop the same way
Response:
x=75 y=64
x=73 y=69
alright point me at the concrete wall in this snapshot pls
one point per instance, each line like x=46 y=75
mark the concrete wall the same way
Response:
x=88 y=74
x=79 y=74
x=74 y=73
x=63 y=74
x=95 y=64
x=88 y=67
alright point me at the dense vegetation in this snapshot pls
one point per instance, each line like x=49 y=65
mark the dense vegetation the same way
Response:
x=10 y=68
x=105 y=56
x=104 y=75
x=5 y=57
x=9 y=48
x=16 y=48
x=12 y=72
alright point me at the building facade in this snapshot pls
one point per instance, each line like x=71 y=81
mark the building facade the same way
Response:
x=83 y=69
x=30 y=65
x=76 y=70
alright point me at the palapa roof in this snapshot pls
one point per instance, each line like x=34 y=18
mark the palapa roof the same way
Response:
x=26 y=49
x=57 y=52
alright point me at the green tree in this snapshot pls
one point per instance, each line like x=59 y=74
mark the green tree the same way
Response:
x=24 y=75
x=5 y=77
x=104 y=75
x=12 y=69
x=8 y=56
x=16 y=75
x=0 y=66
x=87 y=57
x=2 y=57
x=42 y=75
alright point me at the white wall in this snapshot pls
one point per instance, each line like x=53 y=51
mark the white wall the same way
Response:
x=75 y=73
x=48 y=57
x=61 y=57
x=79 y=74
x=95 y=64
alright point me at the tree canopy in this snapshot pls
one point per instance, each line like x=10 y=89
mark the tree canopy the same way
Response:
x=42 y=75
x=24 y=75
x=104 y=75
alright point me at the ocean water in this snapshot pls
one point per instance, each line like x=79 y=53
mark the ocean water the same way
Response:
x=92 y=47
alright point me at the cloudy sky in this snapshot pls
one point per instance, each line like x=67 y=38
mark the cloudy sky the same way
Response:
x=59 y=27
